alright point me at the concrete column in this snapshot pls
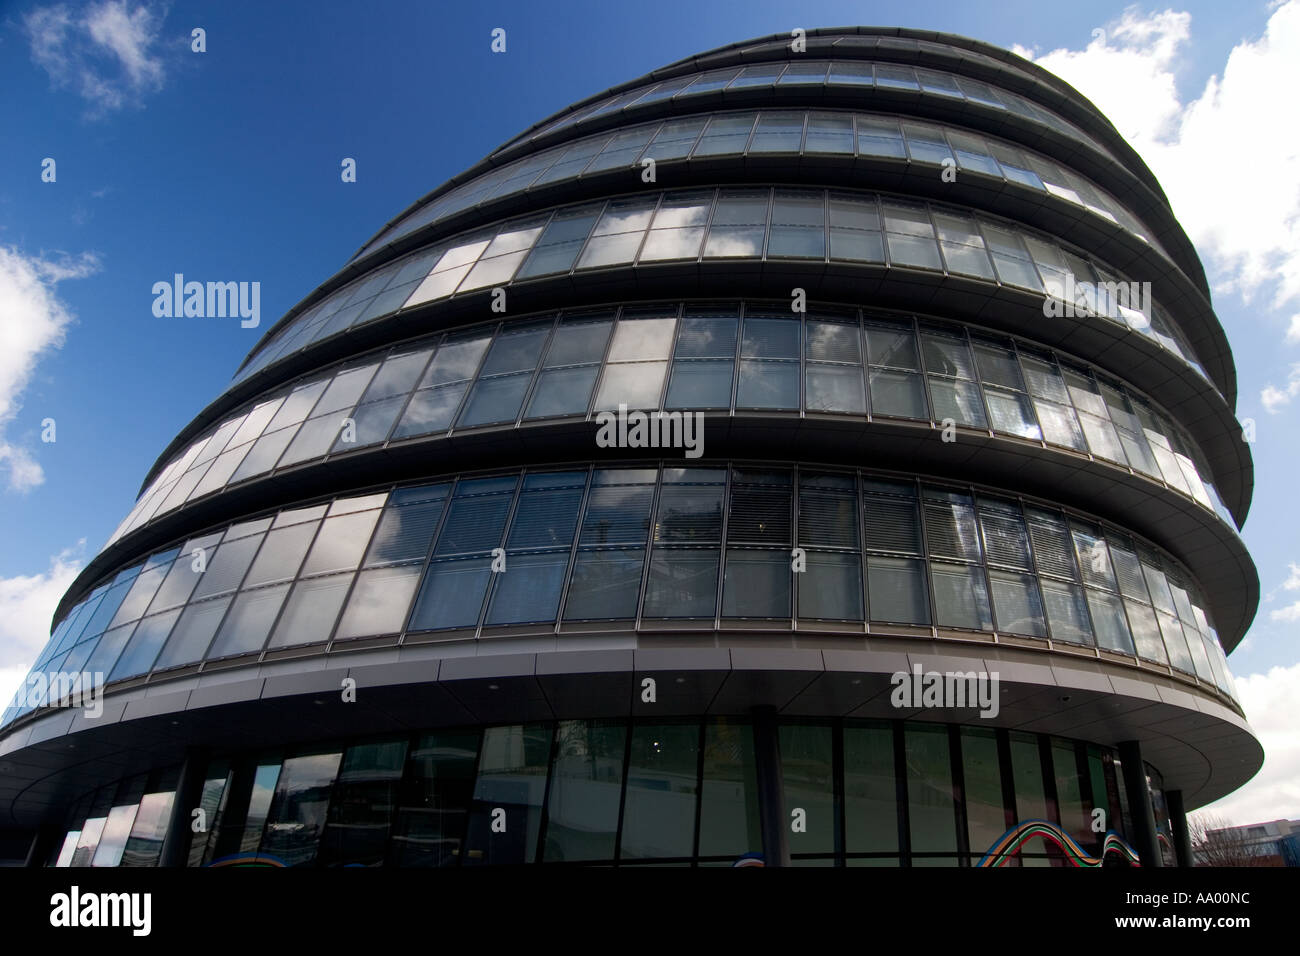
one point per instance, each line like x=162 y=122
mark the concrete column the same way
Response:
x=189 y=790
x=1178 y=823
x=1139 y=798
x=771 y=804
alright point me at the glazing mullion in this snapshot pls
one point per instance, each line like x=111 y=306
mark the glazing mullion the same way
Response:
x=491 y=588
x=239 y=589
x=410 y=394
x=356 y=576
x=645 y=230
x=978 y=378
x=722 y=546
x=650 y=544
x=602 y=368
x=426 y=562
x=919 y=491
x=538 y=370
x=293 y=581
x=497 y=329
x=1029 y=398
x=669 y=369
x=577 y=256
x=573 y=548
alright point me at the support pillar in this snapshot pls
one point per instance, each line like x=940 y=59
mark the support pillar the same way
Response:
x=771 y=803
x=1178 y=824
x=1139 y=797
x=189 y=791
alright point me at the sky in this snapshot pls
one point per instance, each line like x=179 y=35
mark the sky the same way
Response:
x=225 y=164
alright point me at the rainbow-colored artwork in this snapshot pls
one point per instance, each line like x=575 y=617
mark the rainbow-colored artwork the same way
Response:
x=1010 y=843
x=249 y=859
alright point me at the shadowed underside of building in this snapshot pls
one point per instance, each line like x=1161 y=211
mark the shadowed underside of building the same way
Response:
x=947 y=396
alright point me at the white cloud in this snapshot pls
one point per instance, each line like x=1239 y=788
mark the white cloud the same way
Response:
x=1275 y=399
x=108 y=55
x=27 y=604
x=33 y=321
x=1293 y=330
x=1274 y=793
x=1230 y=167
x=1292 y=583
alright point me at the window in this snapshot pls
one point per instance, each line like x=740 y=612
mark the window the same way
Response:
x=911 y=236
x=634 y=372
x=758 y=572
x=798 y=225
x=585 y=783
x=434 y=404
x=662 y=789
x=618 y=233
x=704 y=360
x=688 y=529
x=571 y=365
x=606 y=581
x=953 y=392
x=986 y=818
x=777 y=133
x=1004 y=390
x=895 y=378
x=769 y=360
x=855 y=229
x=499 y=389
x=834 y=373
x=831 y=587
x=739 y=224
x=930 y=804
x=537 y=549
x=678 y=227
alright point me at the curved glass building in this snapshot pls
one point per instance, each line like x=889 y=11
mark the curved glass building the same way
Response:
x=799 y=456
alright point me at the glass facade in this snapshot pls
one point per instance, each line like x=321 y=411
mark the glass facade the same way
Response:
x=750 y=357
x=879 y=549
x=402 y=472
x=703 y=226
x=754 y=133
x=617 y=792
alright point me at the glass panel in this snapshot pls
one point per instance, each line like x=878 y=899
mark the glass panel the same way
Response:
x=511 y=778
x=729 y=798
x=960 y=596
x=297 y=814
x=585 y=790
x=434 y=799
x=659 y=808
x=249 y=621
x=808 y=779
x=379 y=602
x=360 y=819
x=982 y=775
x=870 y=792
x=929 y=789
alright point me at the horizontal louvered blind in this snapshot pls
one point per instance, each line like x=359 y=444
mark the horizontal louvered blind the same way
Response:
x=404 y=533
x=689 y=515
x=1052 y=545
x=760 y=514
x=1128 y=570
x=617 y=515
x=827 y=518
x=834 y=342
x=474 y=524
x=892 y=524
x=950 y=526
x=1005 y=539
x=545 y=518
x=1094 y=559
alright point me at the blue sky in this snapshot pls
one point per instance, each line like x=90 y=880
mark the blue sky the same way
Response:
x=225 y=165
